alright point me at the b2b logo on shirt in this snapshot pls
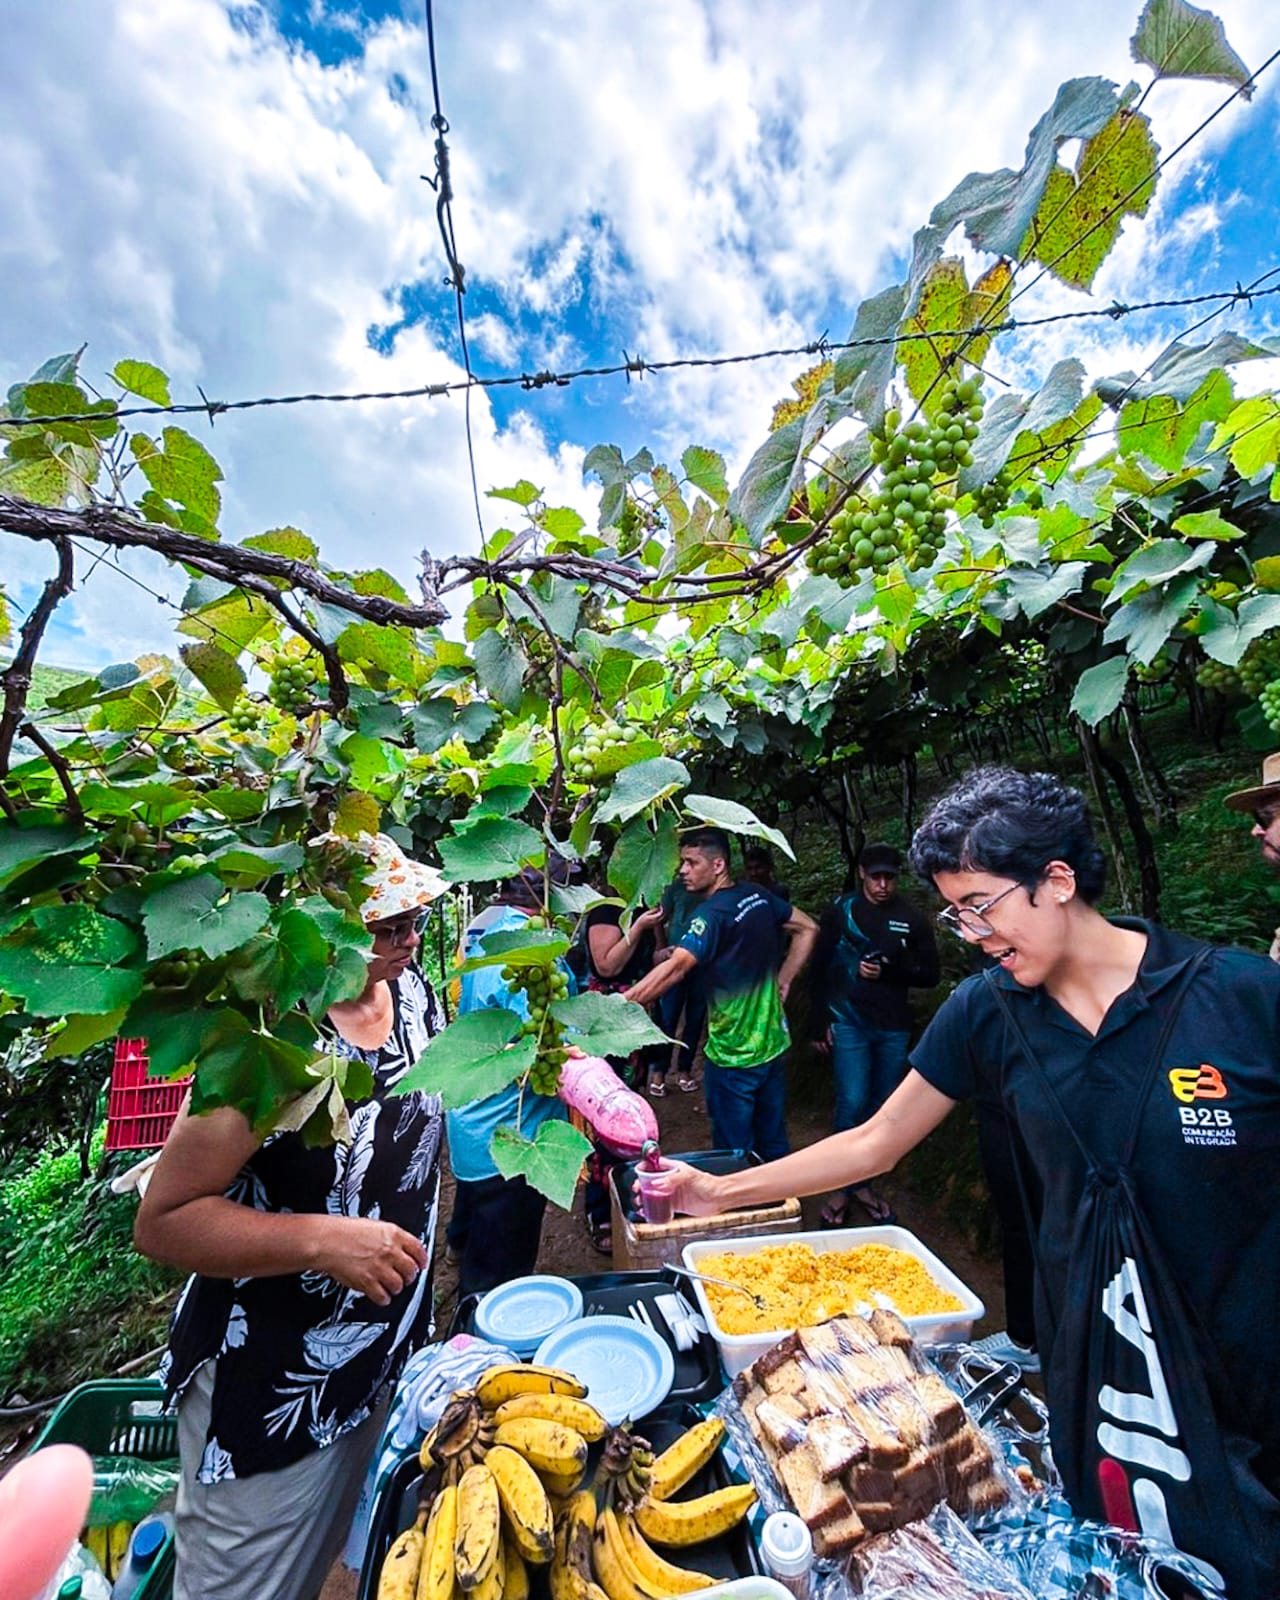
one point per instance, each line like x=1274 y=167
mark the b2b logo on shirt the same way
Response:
x=1212 y=1125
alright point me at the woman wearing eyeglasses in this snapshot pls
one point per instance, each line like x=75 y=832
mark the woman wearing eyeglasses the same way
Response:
x=311 y=1281
x=1138 y=1069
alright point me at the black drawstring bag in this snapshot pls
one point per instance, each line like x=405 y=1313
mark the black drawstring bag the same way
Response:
x=1144 y=1430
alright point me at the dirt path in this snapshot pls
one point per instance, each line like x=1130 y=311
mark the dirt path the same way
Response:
x=682 y=1119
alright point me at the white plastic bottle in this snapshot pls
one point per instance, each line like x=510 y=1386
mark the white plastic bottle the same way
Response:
x=144 y=1550
x=786 y=1548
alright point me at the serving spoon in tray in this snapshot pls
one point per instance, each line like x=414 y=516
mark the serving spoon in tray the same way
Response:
x=761 y=1304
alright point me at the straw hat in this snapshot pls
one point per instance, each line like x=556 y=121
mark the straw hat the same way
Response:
x=1269 y=789
x=396 y=884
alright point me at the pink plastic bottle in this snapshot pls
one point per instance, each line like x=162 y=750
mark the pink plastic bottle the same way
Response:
x=622 y=1119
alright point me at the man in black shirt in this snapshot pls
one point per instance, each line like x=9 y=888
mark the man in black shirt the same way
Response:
x=877 y=946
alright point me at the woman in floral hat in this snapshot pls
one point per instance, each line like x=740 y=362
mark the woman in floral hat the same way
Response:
x=310 y=1286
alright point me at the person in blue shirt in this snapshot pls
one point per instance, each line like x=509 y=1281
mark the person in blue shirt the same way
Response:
x=496 y=1226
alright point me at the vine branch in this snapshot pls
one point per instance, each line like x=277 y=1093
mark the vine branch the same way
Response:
x=17 y=677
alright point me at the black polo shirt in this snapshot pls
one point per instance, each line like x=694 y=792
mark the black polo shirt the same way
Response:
x=1207 y=1160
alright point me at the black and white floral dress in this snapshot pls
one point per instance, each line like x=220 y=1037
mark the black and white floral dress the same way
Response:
x=301 y=1360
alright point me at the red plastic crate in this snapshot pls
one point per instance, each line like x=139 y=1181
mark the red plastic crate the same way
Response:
x=140 y=1110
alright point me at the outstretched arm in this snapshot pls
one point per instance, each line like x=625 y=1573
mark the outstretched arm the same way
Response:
x=856 y=1156
x=679 y=964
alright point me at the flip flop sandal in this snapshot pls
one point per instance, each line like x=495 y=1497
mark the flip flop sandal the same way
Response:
x=601 y=1236
x=834 y=1216
x=876 y=1207
x=657 y=1089
x=689 y=1085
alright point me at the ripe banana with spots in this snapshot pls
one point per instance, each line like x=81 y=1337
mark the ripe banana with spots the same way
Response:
x=492 y=1586
x=525 y=1507
x=435 y=1576
x=504 y=1383
x=688 y=1455
x=573 y=1413
x=560 y=1486
x=613 y=1566
x=571 y=1569
x=546 y=1446
x=679 y=1522
x=654 y=1573
x=477 y=1544
x=398 y=1579
x=515 y=1578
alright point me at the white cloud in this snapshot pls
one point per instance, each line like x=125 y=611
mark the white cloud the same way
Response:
x=186 y=185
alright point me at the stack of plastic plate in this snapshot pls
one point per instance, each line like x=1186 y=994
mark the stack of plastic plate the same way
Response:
x=524 y=1312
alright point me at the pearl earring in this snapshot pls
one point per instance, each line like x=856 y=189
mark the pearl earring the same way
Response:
x=1062 y=899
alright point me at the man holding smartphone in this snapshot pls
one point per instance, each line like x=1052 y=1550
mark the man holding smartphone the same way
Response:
x=875 y=946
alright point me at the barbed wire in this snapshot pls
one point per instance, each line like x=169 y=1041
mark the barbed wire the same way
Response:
x=639 y=367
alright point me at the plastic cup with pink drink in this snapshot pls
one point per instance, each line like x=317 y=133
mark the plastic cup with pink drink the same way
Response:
x=656 y=1207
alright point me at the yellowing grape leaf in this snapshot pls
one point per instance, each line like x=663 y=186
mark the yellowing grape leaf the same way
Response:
x=947 y=302
x=1080 y=213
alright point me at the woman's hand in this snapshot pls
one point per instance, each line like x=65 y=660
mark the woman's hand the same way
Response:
x=653 y=918
x=694 y=1192
x=376 y=1259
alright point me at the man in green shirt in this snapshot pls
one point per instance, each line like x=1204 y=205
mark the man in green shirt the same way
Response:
x=736 y=942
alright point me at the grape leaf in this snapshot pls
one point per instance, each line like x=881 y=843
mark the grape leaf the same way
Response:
x=282 y=963
x=492 y=847
x=220 y=673
x=242 y=1066
x=172 y=1028
x=705 y=470
x=1178 y=40
x=1080 y=213
x=38 y=836
x=197 y=913
x=501 y=665
x=645 y=859
x=736 y=818
x=1100 y=690
x=81 y=1033
x=288 y=542
x=69 y=960
x=946 y=301
x=606 y=1024
x=144 y=380
x=357 y=813
x=551 y=1161
x=869 y=367
x=770 y=480
x=472 y=1059
x=518 y=947
x=636 y=788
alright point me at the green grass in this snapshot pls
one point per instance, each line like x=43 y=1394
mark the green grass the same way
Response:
x=76 y=1299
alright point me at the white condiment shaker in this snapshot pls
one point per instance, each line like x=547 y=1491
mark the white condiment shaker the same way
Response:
x=786 y=1548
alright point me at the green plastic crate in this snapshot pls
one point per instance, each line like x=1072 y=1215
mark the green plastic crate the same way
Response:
x=121 y=1417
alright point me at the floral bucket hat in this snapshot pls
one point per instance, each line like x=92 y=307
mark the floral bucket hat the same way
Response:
x=396 y=883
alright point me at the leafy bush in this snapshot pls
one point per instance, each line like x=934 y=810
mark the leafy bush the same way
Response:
x=76 y=1299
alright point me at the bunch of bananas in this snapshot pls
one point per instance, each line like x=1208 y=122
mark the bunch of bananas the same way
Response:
x=108 y=1543
x=504 y=1468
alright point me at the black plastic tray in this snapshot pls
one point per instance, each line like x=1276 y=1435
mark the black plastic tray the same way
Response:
x=697 y=1374
x=733 y=1555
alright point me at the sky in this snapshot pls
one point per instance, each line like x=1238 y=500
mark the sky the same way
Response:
x=233 y=190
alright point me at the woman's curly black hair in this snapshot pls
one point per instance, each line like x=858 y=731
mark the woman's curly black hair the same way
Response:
x=1011 y=824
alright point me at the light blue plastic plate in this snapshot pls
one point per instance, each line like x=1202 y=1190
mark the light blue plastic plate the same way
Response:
x=627 y=1368
x=522 y=1313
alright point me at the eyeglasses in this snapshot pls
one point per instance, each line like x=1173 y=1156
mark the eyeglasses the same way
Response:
x=1266 y=815
x=973 y=919
x=399 y=930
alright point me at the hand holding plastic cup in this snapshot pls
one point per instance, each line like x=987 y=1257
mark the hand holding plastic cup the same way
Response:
x=656 y=1200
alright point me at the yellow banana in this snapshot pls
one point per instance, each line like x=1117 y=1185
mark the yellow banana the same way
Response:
x=546 y=1446
x=435 y=1577
x=573 y=1413
x=524 y=1504
x=560 y=1486
x=477 y=1543
x=399 y=1576
x=118 y=1536
x=504 y=1383
x=691 y=1521
x=491 y=1587
x=611 y=1566
x=571 y=1577
x=426 y=1460
x=657 y=1576
x=689 y=1454
x=515 y=1581
x=95 y=1542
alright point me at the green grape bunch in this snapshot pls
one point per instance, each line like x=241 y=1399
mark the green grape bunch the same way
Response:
x=587 y=762
x=245 y=716
x=1226 y=680
x=1259 y=665
x=1269 y=700
x=906 y=517
x=483 y=747
x=542 y=987
x=292 y=685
